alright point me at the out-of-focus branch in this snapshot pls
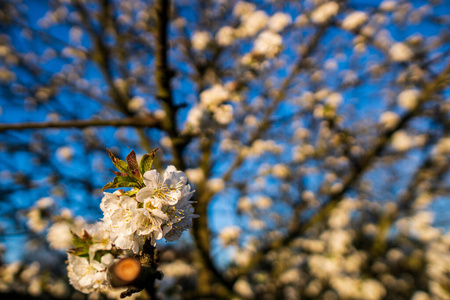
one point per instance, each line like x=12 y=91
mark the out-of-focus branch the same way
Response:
x=162 y=72
x=137 y=273
x=163 y=75
x=405 y=203
x=103 y=57
x=201 y=232
x=266 y=124
x=132 y=122
x=359 y=167
x=281 y=93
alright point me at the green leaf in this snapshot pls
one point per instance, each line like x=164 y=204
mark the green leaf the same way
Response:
x=131 y=193
x=147 y=161
x=130 y=184
x=123 y=181
x=109 y=185
x=77 y=241
x=99 y=253
x=79 y=251
x=118 y=163
x=84 y=239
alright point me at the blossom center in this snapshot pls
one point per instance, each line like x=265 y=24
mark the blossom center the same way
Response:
x=128 y=216
x=175 y=214
x=164 y=192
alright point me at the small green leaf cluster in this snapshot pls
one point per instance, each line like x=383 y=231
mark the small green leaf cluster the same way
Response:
x=81 y=244
x=130 y=172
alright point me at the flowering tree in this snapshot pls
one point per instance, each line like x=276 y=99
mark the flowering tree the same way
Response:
x=315 y=134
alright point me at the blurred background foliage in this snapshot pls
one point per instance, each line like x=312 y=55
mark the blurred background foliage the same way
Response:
x=316 y=135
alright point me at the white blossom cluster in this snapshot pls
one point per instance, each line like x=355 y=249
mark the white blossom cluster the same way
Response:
x=88 y=274
x=354 y=20
x=161 y=209
x=324 y=12
x=39 y=213
x=251 y=21
x=212 y=106
x=400 y=52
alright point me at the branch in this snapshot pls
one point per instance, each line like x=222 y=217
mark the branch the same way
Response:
x=298 y=228
x=281 y=94
x=131 y=122
x=138 y=273
x=367 y=160
x=429 y=168
x=163 y=75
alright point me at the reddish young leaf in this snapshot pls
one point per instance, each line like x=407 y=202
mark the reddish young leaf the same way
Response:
x=133 y=164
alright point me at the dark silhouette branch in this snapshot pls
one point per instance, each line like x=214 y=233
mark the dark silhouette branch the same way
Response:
x=128 y=122
x=163 y=76
x=102 y=55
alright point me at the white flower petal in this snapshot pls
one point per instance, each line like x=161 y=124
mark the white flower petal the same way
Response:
x=107 y=259
x=152 y=179
x=144 y=194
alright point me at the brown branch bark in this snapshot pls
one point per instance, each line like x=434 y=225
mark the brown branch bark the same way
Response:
x=163 y=76
x=202 y=234
x=128 y=122
x=137 y=273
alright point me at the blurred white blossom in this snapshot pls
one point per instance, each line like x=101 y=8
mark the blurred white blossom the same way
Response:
x=223 y=114
x=354 y=20
x=324 y=12
x=279 y=21
x=225 y=36
x=200 y=40
x=400 y=52
x=136 y=103
x=60 y=236
x=229 y=235
x=408 y=99
x=243 y=8
x=215 y=185
x=65 y=153
x=252 y=23
x=389 y=119
x=214 y=96
x=195 y=175
x=268 y=44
